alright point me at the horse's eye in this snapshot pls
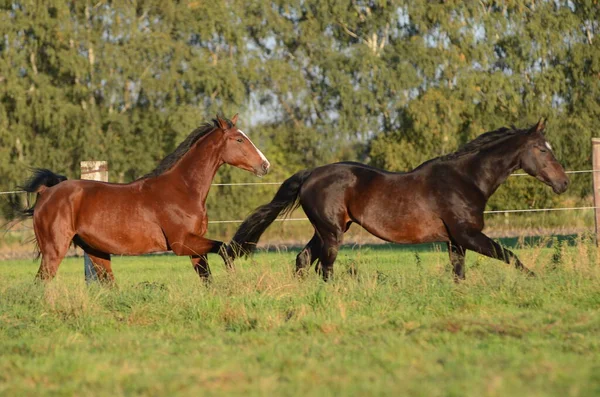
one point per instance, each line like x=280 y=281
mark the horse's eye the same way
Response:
x=240 y=140
x=543 y=150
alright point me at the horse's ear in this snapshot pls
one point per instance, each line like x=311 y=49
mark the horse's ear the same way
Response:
x=223 y=124
x=539 y=127
x=234 y=119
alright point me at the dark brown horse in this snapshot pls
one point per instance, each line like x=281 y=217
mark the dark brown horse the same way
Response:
x=441 y=200
x=164 y=210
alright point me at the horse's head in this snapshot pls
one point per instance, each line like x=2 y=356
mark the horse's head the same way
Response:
x=239 y=150
x=537 y=159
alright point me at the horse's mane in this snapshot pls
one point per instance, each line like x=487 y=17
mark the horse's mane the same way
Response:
x=483 y=141
x=168 y=162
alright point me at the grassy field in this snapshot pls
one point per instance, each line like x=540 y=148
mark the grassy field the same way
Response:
x=391 y=323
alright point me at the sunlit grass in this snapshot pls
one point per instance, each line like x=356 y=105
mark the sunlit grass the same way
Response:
x=391 y=323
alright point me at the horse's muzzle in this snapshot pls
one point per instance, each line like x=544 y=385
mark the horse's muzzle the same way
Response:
x=560 y=187
x=263 y=169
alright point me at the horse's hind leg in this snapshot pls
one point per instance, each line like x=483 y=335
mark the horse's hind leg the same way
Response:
x=48 y=267
x=457 y=259
x=101 y=262
x=52 y=251
x=330 y=220
x=308 y=255
x=331 y=241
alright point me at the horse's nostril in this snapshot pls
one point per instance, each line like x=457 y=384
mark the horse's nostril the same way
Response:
x=265 y=166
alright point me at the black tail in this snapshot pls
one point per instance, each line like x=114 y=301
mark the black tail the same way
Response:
x=285 y=201
x=39 y=181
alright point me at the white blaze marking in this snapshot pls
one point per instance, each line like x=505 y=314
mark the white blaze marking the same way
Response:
x=548 y=145
x=262 y=156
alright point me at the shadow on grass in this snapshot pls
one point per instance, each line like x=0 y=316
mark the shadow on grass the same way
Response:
x=508 y=242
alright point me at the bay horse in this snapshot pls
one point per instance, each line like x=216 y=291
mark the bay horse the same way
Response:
x=162 y=211
x=442 y=200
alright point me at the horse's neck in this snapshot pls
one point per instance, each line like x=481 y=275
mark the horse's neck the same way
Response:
x=197 y=168
x=490 y=169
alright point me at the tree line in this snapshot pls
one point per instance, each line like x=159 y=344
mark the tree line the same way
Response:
x=390 y=83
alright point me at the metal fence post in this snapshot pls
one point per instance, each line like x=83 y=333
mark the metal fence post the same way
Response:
x=96 y=171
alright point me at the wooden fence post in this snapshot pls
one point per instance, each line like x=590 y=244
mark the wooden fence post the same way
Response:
x=596 y=184
x=96 y=171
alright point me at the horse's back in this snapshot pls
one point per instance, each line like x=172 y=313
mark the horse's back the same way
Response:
x=333 y=180
x=75 y=191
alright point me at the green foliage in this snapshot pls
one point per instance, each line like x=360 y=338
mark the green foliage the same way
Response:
x=486 y=65
x=121 y=82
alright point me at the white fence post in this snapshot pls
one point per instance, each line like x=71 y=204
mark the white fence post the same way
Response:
x=596 y=184
x=96 y=171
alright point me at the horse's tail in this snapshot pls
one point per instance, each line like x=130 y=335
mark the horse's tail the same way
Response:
x=41 y=180
x=285 y=201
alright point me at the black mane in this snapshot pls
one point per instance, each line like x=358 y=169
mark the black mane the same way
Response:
x=483 y=141
x=168 y=162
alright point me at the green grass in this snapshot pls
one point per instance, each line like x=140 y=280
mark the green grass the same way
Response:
x=397 y=325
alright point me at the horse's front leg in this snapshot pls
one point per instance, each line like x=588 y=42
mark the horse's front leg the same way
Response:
x=475 y=240
x=197 y=247
x=200 y=265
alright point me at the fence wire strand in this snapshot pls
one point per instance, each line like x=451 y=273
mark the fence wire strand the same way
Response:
x=279 y=183
x=306 y=219
x=485 y=212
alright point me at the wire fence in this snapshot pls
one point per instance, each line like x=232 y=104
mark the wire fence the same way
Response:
x=485 y=212
x=507 y=211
